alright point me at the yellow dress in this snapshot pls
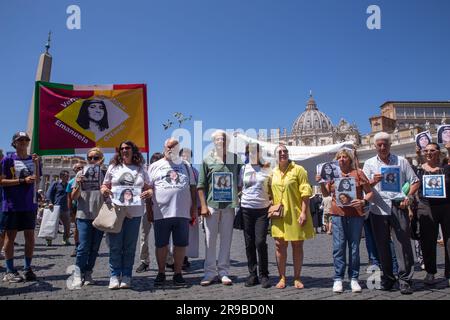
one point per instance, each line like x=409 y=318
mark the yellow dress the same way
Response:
x=295 y=185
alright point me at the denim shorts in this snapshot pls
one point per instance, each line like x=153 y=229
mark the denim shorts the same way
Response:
x=23 y=220
x=178 y=227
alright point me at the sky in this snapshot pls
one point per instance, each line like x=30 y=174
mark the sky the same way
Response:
x=231 y=64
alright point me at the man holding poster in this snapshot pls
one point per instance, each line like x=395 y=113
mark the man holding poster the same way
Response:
x=389 y=211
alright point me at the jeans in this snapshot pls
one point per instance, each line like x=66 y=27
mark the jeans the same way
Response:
x=346 y=232
x=122 y=248
x=87 y=251
x=255 y=233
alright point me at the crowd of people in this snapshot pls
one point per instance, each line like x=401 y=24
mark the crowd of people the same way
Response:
x=174 y=197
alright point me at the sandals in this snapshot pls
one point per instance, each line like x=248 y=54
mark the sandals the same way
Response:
x=298 y=284
x=282 y=283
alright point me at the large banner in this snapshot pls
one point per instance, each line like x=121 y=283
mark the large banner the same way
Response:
x=70 y=119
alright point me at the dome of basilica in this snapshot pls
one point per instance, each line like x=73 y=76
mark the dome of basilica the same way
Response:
x=312 y=121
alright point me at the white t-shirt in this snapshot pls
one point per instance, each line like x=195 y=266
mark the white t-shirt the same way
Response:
x=171 y=184
x=254 y=181
x=124 y=175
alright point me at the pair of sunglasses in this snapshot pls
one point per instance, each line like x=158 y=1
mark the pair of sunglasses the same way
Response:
x=93 y=158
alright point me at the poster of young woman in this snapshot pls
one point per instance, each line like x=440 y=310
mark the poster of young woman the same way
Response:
x=443 y=134
x=433 y=186
x=345 y=189
x=390 y=181
x=328 y=171
x=126 y=196
x=423 y=139
x=91 y=181
x=222 y=186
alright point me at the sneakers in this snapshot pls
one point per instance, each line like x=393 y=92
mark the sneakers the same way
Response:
x=429 y=279
x=12 y=277
x=125 y=283
x=405 y=288
x=88 y=281
x=226 y=281
x=178 y=280
x=356 y=288
x=337 y=286
x=252 y=280
x=66 y=242
x=114 y=283
x=160 y=279
x=142 y=267
x=29 y=275
x=265 y=282
x=387 y=285
x=207 y=281
x=186 y=264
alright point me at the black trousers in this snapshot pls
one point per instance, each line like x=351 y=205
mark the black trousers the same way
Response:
x=397 y=224
x=256 y=223
x=430 y=216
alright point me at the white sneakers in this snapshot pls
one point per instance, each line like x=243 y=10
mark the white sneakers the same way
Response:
x=339 y=288
x=77 y=282
x=429 y=278
x=125 y=283
x=226 y=281
x=114 y=283
x=356 y=288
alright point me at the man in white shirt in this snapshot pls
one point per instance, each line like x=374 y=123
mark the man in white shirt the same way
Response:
x=174 y=206
x=389 y=212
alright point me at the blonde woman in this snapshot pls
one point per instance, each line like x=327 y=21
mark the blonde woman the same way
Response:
x=290 y=187
x=89 y=201
x=348 y=220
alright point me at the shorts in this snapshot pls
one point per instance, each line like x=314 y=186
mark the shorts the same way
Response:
x=20 y=220
x=178 y=227
x=327 y=218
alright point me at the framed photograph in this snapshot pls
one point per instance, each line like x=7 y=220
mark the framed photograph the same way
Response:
x=433 y=186
x=222 y=186
x=443 y=134
x=345 y=189
x=328 y=171
x=91 y=180
x=391 y=179
x=126 y=196
x=423 y=139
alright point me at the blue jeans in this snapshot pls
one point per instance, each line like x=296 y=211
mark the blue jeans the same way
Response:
x=90 y=239
x=346 y=231
x=122 y=248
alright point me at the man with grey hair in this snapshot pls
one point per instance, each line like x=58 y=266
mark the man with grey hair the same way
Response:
x=174 y=206
x=219 y=171
x=389 y=214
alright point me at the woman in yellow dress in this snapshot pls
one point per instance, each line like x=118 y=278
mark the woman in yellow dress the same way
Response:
x=291 y=188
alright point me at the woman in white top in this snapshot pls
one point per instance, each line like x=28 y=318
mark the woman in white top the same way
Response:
x=254 y=180
x=126 y=169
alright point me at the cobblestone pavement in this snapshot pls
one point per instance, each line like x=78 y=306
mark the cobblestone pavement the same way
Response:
x=51 y=263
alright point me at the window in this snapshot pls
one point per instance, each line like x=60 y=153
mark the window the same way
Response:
x=400 y=112
x=409 y=112
x=439 y=112
x=429 y=112
x=420 y=112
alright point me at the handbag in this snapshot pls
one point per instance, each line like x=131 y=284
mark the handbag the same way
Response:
x=110 y=218
x=276 y=211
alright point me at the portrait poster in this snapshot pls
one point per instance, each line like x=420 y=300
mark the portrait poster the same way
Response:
x=71 y=119
x=390 y=181
x=126 y=196
x=443 y=133
x=91 y=181
x=222 y=186
x=433 y=186
x=345 y=190
x=328 y=171
x=423 y=139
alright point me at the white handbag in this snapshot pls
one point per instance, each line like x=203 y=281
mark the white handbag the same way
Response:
x=50 y=223
x=110 y=218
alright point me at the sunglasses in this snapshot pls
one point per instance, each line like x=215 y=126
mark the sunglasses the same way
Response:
x=283 y=151
x=125 y=148
x=23 y=139
x=96 y=158
x=430 y=151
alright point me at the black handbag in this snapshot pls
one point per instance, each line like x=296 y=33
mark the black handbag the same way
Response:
x=238 y=220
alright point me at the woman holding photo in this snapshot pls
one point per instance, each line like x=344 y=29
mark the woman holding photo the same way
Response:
x=347 y=221
x=433 y=212
x=89 y=203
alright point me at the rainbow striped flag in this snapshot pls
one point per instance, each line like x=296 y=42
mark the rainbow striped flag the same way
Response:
x=70 y=119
